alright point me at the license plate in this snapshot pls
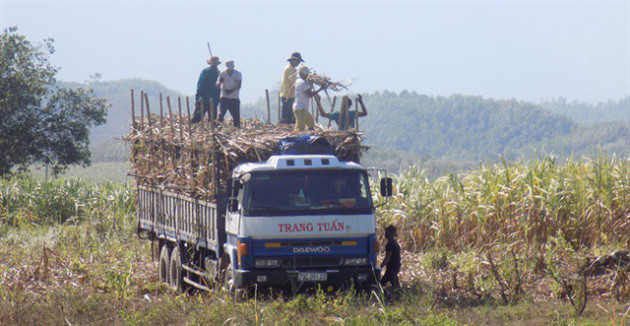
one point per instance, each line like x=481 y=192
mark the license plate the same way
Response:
x=312 y=277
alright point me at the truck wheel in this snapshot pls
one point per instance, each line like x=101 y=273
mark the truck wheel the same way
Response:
x=163 y=267
x=176 y=277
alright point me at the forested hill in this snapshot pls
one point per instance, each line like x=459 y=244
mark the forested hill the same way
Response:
x=456 y=128
x=464 y=127
x=608 y=111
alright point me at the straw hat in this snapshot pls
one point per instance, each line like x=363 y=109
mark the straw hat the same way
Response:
x=213 y=61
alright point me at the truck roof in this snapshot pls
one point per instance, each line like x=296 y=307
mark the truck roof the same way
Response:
x=297 y=162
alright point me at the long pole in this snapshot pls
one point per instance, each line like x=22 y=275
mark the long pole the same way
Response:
x=356 y=111
x=142 y=107
x=170 y=115
x=146 y=100
x=332 y=109
x=181 y=119
x=268 y=106
x=279 y=105
x=161 y=113
x=188 y=111
x=133 y=112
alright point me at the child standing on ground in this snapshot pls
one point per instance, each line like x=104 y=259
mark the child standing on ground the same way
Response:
x=392 y=258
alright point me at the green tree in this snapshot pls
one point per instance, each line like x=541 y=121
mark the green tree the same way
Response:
x=39 y=121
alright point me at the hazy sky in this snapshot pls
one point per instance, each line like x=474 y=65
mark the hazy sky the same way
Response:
x=529 y=50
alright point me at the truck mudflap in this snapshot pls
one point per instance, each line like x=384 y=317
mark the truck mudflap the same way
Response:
x=361 y=276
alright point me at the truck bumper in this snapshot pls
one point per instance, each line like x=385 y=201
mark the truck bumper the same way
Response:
x=360 y=276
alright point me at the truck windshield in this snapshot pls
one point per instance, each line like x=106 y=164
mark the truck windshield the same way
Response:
x=281 y=193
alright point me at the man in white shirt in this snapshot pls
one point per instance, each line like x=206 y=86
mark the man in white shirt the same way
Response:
x=230 y=82
x=303 y=94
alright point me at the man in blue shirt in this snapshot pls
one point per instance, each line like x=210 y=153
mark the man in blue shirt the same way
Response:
x=207 y=89
x=346 y=118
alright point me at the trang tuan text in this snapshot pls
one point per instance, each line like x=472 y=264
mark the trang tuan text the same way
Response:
x=311 y=227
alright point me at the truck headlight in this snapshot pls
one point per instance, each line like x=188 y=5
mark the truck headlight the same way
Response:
x=355 y=261
x=267 y=263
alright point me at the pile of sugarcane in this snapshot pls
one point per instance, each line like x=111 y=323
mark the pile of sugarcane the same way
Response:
x=197 y=159
x=326 y=82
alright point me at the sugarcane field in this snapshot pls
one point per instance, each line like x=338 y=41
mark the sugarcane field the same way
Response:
x=315 y=163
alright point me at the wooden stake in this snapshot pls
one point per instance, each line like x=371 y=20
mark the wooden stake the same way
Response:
x=188 y=110
x=170 y=115
x=181 y=119
x=346 y=119
x=146 y=100
x=268 y=106
x=133 y=113
x=356 y=111
x=142 y=107
x=161 y=112
x=279 y=106
x=332 y=109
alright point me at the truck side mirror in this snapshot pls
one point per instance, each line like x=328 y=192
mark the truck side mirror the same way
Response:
x=386 y=187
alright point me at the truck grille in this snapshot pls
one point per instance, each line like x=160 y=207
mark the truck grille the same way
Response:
x=302 y=262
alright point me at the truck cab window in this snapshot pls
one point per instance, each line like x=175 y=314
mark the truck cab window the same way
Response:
x=307 y=193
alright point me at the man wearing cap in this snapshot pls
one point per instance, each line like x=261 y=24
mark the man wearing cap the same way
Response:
x=287 y=88
x=345 y=118
x=303 y=94
x=230 y=81
x=206 y=90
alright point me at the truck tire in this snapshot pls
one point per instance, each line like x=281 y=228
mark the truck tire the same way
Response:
x=176 y=276
x=163 y=265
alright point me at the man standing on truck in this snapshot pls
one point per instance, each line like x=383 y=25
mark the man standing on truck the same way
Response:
x=287 y=88
x=206 y=90
x=346 y=118
x=392 y=258
x=230 y=81
x=303 y=93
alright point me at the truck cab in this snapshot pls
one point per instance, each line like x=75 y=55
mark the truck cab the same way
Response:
x=301 y=219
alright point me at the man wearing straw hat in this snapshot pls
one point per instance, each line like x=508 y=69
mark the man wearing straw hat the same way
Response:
x=287 y=89
x=346 y=118
x=303 y=94
x=206 y=90
x=230 y=81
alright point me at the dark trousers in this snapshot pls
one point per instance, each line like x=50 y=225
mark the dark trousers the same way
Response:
x=199 y=112
x=390 y=277
x=234 y=106
x=287 y=111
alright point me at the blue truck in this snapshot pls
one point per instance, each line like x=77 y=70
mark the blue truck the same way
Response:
x=294 y=220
